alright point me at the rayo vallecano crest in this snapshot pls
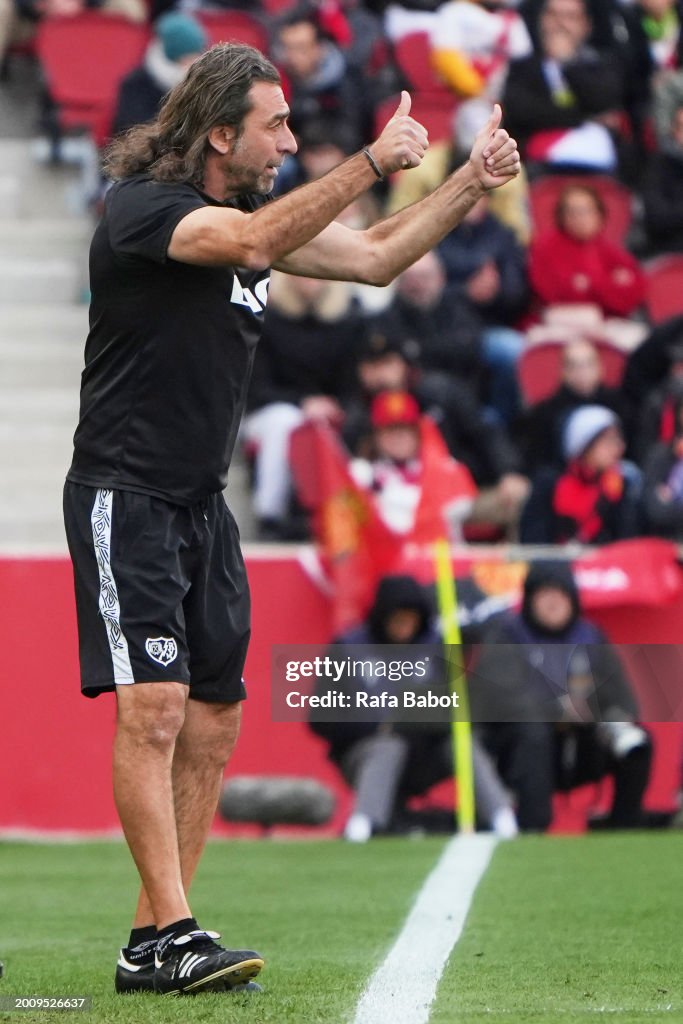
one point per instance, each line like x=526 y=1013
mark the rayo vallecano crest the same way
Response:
x=163 y=649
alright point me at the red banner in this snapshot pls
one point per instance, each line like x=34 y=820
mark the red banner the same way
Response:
x=355 y=545
x=642 y=572
x=357 y=549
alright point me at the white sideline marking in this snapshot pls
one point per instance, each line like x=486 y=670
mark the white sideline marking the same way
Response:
x=403 y=987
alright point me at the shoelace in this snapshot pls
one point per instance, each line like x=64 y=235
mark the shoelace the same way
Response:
x=182 y=940
x=200 y=939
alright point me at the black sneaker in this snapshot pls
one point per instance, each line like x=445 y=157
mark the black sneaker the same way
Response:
x=195 y=963
x=135 y=968
x=135 y=972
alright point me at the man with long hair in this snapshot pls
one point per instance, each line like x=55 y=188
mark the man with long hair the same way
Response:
x=179 y=274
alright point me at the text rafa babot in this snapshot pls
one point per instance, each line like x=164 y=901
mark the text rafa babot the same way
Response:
x=422 y=699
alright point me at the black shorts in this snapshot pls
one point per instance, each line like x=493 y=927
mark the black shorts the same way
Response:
x=161 y=592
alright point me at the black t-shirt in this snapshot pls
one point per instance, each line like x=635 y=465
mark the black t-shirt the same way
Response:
x=169 y=353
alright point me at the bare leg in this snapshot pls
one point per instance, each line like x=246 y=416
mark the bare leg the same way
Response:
x=202 y=749
x=150 y=717
x=8 y=19
x=204 y=746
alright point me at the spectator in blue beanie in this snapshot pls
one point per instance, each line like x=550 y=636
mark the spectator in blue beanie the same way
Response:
x=178 y=41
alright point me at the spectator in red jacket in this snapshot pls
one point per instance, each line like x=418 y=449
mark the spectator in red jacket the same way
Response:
x=575 y=263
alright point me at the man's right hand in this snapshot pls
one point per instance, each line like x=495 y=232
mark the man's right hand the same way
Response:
x=403 y=142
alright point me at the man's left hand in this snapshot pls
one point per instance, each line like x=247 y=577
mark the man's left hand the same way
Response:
x=494 y=157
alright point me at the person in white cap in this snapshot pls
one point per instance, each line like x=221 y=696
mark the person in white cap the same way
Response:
x=595 y=499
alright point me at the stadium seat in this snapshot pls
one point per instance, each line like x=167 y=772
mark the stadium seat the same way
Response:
x=433 y=103
x=277 y=7
x=233 y=26
x=413 y=56
x=539 y=368
x=84 y=57
x=665 y=288
x=544 y=193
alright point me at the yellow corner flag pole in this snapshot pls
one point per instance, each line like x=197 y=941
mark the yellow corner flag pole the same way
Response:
x=461 y=726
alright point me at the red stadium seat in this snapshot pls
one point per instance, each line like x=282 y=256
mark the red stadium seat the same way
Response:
x=84 y=57
x=413 y=56
x=233 y=26
x=544 y=193
x=433 y=103
x=539 y=368
x=434 y=115
x=277 y=7
x=665 y=288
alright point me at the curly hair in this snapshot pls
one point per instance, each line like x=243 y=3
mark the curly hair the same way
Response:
x=215 y=91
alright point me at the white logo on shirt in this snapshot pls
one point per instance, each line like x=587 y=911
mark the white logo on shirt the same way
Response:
x=162 y=649
x=256 y=300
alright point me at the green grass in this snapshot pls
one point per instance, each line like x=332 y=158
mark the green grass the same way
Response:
x=323 y=914
x=562 y=927
x=559 y=929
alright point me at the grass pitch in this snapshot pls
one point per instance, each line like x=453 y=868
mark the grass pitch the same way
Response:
x=561 y=930
x=572 y=929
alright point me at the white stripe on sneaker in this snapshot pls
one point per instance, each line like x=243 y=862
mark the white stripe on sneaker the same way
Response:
x=188 y=963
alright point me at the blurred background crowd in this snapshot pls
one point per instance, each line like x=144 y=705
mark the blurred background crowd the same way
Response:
x=543 y=336
x=523 y=381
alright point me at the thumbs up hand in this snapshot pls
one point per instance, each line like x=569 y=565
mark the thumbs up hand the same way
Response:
x=494 y=155
x=403 y=141
x=404 y=104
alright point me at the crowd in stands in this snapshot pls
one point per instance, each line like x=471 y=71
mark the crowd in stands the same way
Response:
x=593 y=91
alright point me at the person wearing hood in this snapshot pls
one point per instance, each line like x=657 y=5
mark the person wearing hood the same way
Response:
x=178 y=40
x=389 y=759
x=558 y=708
x=596 y=498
